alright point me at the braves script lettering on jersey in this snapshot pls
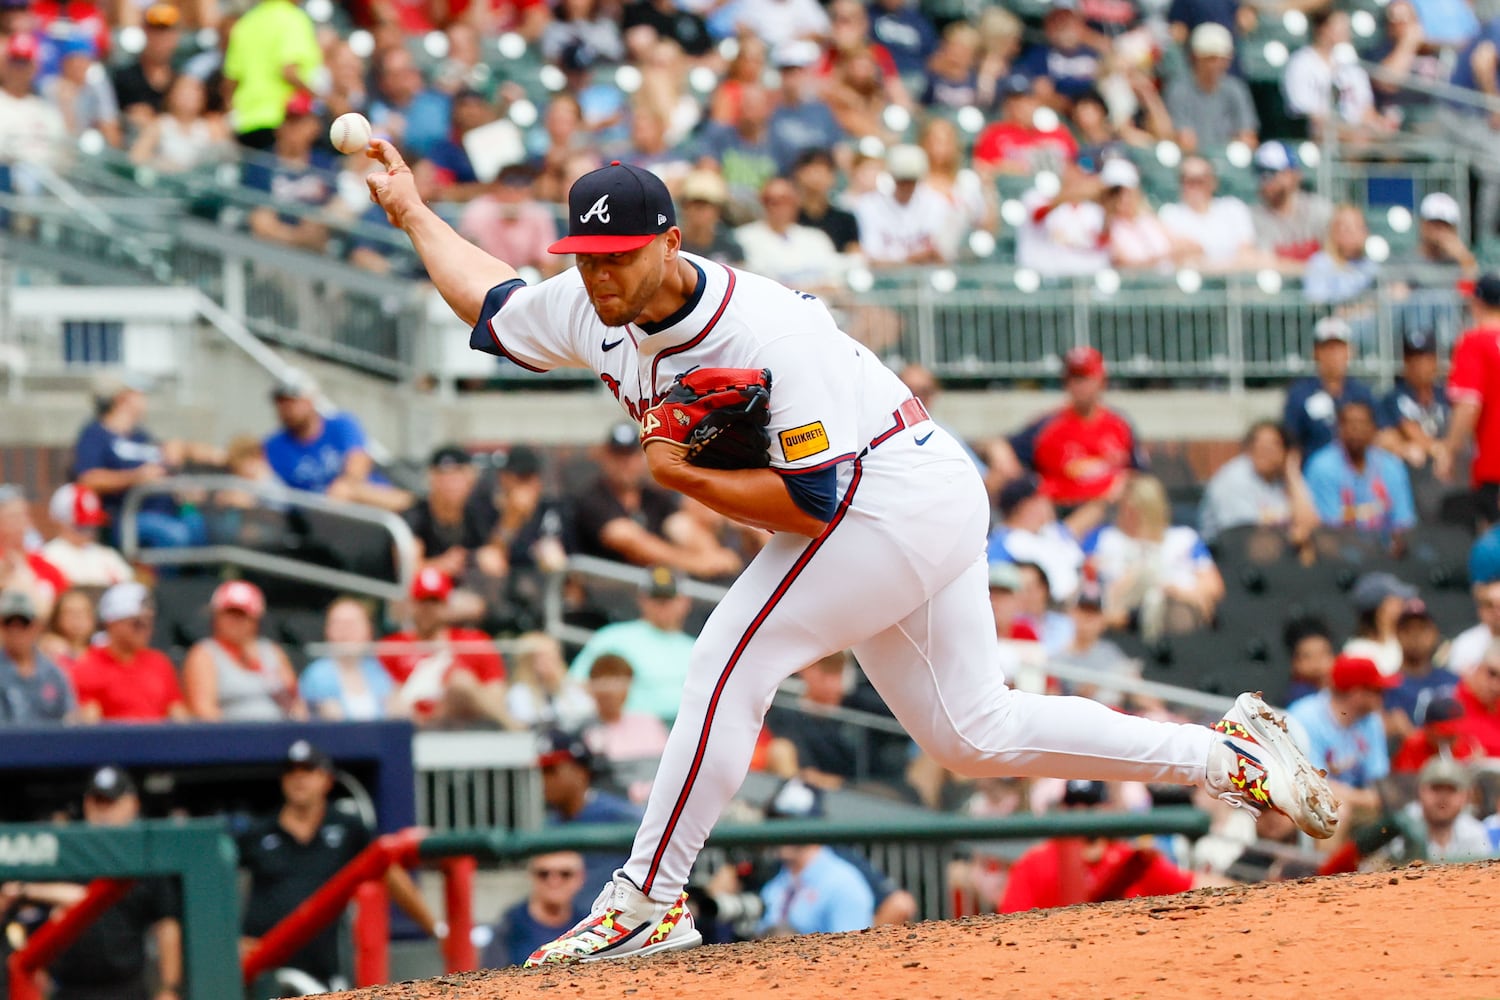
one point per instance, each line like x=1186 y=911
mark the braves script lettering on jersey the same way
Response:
x=899 y=576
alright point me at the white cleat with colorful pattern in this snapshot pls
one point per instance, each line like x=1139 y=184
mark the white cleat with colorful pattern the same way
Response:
x=623 y=923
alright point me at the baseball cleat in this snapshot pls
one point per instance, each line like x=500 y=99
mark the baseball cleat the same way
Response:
x=1259 y=766
x=623 y=923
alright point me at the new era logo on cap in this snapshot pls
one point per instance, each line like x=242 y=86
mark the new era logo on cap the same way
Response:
x=616 y=209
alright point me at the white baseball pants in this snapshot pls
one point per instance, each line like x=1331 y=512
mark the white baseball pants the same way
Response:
x=900 y=577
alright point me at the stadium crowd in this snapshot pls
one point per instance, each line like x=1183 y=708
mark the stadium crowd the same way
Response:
x=802 y=140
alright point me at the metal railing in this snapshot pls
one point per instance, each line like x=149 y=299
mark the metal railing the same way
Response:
x=226 y=536
x=477 y=780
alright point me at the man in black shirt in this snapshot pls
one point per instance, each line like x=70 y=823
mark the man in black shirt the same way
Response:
x=703 y=196
x=293 y=854
x=108 y=961
x=620 y=516
x=455 y=524
x=814 y=175
x=141 y=86
x=665 y=21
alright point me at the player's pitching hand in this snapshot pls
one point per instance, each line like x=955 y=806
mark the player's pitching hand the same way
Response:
x=394 y=188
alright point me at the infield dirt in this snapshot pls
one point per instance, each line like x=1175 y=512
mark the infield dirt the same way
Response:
x=1426 y=933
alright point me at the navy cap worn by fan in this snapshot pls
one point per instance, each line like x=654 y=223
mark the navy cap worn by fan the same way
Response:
x=1486 y=290
x=449 y=456
x=302 y=755
x=1016 y=492
x=555 y=746
x=521 y=461
x=1084 y=793
x=616 y=209
x=1419 y=342
x=109 y=783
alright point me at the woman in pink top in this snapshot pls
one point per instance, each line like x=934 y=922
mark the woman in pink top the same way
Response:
x=511 y=221
x=1137 y=239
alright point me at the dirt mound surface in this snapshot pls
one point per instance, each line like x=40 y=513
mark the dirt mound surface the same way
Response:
x=1415 y=932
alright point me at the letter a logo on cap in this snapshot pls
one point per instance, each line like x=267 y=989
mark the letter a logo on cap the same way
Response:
x=600 y=210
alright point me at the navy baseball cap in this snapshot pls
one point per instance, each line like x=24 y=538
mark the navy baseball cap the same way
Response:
x=1485 y=290
x=614 y=209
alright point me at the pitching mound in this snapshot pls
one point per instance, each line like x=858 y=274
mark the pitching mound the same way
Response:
x=1414 y=932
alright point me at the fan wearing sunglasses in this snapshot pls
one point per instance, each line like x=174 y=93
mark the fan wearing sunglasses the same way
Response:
x=552 y=905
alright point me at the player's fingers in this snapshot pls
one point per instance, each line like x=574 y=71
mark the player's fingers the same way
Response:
x=386 y=153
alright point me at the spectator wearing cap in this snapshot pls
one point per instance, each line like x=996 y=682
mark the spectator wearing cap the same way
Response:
x=1251 y=488
x=905 y=32
x=907 y=225
x=1474 y=391
x=1065 y=233
x=568 y=770
x=294 y=853
x=1356 y=484
x=236 y=674
x=1289 y=222
x=1341 y=272
x=1018 y=638
x=802 y=120
x=32 y=130
x=348 y=684
x=509 y=223
x=1064 y=871
x=1441 y=734
x=704 y=196
x=1421 y=681
x=816 y=891
x=273 y=53
x=122 y=679
x=1220 y=226
x=1313 y=402
x=1476 y=69
x=452 y=676
x=1211 y=108
x=1342 y=733
x=541 y=694
x=1450 y=832
x=116 y=452
x=1440 y=242
x=56 y=21
x=1414 y=415
x=141 y=85
x=1030 y=532
x=131 y=945
x=622 y=516
x=295 y=181
x=21 y=568
x=1137 y=238
x=654 y=644
x=552 y=905
x=780 y=248
x=1479 y=694
x=815 y=176
x=1014 y=144
x=1085 y=450
x=75 y=550
x=455 y=526
x=1314 y=74
x=534 y=530
x=33 y=689
x=1468 y=647
x=621 y=735
x=325 y=453
x=1378 y=600
x=1157 y=578
x=83 y=92
x=1064 y=65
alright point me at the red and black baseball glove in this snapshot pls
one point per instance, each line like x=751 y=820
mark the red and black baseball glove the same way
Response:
x=718 y=415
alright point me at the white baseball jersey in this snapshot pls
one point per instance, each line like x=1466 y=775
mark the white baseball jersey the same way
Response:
x=899 y=574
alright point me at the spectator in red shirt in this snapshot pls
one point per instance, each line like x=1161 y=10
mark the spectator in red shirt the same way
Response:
x=124 y=680
x=20 y=568
x=1442 y=731
x=1085 y=451
x=1069 y=870
x=1474 y=390
x=440 y=684
x=1014 y=144
x=1479 y=694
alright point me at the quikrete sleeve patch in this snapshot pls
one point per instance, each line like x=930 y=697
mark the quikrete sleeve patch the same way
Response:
x=802 y=442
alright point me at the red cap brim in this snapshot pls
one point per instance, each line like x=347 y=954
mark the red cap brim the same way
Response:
x=600 y=244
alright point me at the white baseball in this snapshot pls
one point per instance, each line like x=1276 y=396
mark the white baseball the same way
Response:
x=350 y=133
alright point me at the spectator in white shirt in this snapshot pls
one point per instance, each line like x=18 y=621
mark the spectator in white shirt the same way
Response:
x=905 y=226
x=797 y=256
x=1064 y=235
x=1221 y=227
x=1029 y=532
x=1137 y=238
x=778 y=21
x=1328 y=65
x=76 y=550
x=32 y=131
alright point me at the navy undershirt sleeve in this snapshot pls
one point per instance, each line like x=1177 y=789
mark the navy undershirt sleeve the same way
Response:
x=481 y=339
x=816 y=492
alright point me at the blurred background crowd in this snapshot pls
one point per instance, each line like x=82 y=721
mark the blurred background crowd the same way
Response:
x=1338 y=559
